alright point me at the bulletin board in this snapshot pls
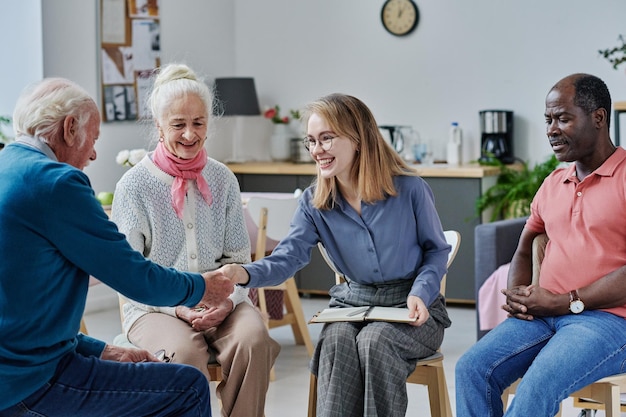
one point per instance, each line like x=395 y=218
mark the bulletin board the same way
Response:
x=129 y=52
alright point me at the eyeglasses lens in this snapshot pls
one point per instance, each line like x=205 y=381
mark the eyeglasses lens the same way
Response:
x=325 y=143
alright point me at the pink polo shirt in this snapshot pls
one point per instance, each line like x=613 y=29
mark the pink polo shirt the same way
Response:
x=586 y=224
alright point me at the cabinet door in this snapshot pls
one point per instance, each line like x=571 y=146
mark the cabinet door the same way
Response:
x=316 y=277
x=455 y=200
x=268 y=183
x=304 y=181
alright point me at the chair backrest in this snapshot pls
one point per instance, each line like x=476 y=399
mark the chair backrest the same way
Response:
x=539 y=248
x=453 y=238
x=280 y=211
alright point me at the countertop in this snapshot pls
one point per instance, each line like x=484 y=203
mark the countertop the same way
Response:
x=435 y=170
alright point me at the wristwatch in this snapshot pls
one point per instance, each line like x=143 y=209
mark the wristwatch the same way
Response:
x=576 y=305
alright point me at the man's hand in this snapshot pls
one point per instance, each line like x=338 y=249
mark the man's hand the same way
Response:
x=418 y=309
x=203 y=318
x=516 y=299
x=217 y=288
x=527 y=302
x=124 y=354
x=236 y=273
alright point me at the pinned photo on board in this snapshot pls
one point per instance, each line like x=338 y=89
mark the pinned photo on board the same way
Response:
x=120 y=103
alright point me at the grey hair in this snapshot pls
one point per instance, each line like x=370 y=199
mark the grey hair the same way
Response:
x=42 y=108
x=173 y=81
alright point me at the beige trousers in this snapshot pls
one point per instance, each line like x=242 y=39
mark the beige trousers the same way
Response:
x=241 y=344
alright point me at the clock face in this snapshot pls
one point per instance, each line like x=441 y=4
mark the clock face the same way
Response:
x=399 y=17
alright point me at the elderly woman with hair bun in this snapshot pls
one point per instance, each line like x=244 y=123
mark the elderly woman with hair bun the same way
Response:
x=183 y=209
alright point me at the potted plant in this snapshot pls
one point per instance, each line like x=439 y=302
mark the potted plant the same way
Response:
x=514 y=189
x=4 y=139
x=615 y=55
x=280 y=145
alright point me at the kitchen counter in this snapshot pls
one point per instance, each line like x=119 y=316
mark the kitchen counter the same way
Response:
x=435 y=170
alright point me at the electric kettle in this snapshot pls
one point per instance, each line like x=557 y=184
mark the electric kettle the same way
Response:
x=394 y=136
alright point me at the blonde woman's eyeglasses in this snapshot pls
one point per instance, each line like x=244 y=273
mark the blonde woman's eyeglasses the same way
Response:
x=325 y=141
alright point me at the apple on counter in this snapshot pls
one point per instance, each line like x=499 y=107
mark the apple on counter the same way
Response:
x=105 y=198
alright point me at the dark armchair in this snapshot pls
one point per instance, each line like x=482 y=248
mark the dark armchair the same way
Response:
x=495 y=244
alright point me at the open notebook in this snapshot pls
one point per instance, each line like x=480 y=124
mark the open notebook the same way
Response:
x=373 y=313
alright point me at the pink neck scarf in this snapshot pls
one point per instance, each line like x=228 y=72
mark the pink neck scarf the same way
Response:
x=182 y=170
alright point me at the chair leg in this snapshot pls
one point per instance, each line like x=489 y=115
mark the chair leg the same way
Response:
x=272 y=374
x=511 y=391
x=312 y=396
x=294 y=306
x=505 y=399
x=508 y=391
x=610 y=396
x=438 y=392
x=262 y=301
x=558 y=413
x=83 y=326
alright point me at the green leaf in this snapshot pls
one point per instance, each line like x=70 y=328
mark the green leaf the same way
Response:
x=4 y=120
x=514 y=189
x=616 y=55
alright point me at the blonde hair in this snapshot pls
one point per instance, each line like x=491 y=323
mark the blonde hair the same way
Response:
x=376 y=162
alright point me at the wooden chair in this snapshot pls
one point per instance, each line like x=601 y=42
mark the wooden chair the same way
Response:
x=603 y=394
x=274 y=218
x=83 y=326
x=428 y=371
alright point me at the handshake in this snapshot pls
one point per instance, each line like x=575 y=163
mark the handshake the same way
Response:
x=219 y=284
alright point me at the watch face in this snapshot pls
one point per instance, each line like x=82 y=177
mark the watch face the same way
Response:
x=576 y=306
x=399 y=17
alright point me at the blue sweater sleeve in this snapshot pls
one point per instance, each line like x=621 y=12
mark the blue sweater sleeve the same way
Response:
x=88 y=239
x=88 y=346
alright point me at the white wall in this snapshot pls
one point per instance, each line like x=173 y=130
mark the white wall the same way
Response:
x=465 y=56
x=21 y=59
x=199 y=34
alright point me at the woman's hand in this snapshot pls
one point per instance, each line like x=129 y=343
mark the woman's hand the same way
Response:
x=203 y=318
x=418 y=309
x=125 y=354
x=236 y=273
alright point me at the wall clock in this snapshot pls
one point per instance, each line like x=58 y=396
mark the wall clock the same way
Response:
x=399 y=17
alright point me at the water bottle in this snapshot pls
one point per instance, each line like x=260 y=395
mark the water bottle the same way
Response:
x=454 y=145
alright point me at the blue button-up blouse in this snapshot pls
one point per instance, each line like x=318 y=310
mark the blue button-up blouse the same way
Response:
x=399 y=238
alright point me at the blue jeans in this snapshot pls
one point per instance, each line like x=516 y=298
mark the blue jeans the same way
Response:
x=87 y=386
x=555 y=355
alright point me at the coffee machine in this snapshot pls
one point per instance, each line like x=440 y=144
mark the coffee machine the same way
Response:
x=496 y=139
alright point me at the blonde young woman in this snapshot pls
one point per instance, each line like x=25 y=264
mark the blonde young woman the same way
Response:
x=183 y=209
x=378 y=222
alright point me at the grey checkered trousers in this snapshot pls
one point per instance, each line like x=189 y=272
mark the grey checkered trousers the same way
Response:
x=362 y=367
